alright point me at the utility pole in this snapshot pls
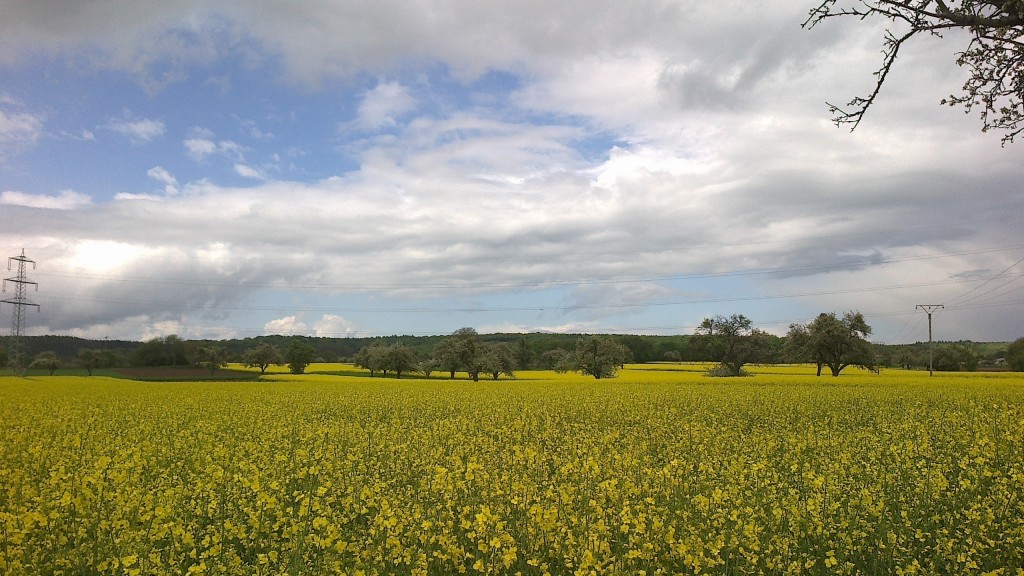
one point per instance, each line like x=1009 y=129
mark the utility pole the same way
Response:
x=929 y=308
x=20 y=302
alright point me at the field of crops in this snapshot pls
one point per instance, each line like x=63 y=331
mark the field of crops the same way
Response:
x=660 y=471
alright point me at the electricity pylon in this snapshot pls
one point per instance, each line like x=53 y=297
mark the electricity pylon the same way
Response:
x=20 y=301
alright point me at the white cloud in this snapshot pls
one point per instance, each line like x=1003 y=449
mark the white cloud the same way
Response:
x=246 y=171
x=133 y=196
x=595 y=159
x=137 y=130
x=288 y=325
x=66 y=200
x=333 y=326
x=160 y=174
x=383 y=105
x=18 y=130
x=620 y=92
x=200 y=148
x=163 y=328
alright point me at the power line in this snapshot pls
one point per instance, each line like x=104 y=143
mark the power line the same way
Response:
x=986 y=282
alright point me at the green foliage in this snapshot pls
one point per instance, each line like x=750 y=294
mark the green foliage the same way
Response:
x=597 y=356
x=384 y=358
x=460 y=352
x=954 y=358
x=162 y=351
x=212 y=358
x=468 y=349
x=537 y=350
x=723 y=371
x=447 y=356
x=371 y=358
x=831 y=341
x=733 y=342
x=497 y=358
x=426 y=367
x=299 y=355
x=1015 y=355
x=641 y=349
x=523 y=354
x=47 y=360
x=550 y=359
x=90 y=359
x=398 y=358
x=262 y=356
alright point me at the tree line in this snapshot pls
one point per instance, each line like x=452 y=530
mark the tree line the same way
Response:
x=830 y=342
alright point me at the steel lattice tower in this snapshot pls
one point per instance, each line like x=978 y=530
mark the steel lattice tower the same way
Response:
x=20 y=301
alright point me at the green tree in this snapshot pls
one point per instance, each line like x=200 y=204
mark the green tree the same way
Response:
x=399 y=358
x=597 y=356
x=299 y=355
x=162 y=351
x=426 y=367
x=523 y=354
x=641 y=348
x=175 y=351
x=497 y=358
x=459 y=352
x=447 y=357
x=993 y=55
x=112 y=359
x=733 y=342
x=550 y=359
x=262 y=357
x=90 y=359
x=212 y=357
x=47 y=360
x=371 y=358
x=1015 y=355
x=469 y=351
x=832 y=341
x=955 y=358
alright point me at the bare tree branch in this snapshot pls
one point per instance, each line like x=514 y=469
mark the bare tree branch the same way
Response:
x=995 y=54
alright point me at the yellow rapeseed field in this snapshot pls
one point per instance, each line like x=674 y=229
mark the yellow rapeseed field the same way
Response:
x=659 y=471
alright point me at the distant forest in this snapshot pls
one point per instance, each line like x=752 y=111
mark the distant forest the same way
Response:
x=644 y=349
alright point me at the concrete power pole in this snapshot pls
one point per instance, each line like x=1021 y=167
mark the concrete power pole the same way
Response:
x=20 y=302
x=929 y=308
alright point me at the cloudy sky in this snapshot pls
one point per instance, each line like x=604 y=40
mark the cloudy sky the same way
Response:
x=338 y=168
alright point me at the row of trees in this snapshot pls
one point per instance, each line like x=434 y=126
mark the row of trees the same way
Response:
x=87 y=358
x=463 y=351
x=828 y=341
x=535 y=350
